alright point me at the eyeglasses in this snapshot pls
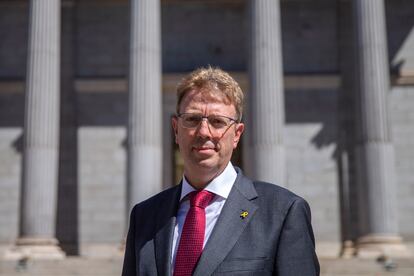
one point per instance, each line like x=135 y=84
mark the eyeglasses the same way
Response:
x=217 y=122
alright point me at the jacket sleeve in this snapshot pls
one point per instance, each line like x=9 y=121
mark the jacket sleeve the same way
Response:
x=296 y=251
x=129 y=267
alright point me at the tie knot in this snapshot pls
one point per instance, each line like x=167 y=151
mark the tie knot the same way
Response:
x=201 y=199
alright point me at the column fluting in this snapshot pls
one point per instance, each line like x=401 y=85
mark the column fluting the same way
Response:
x=145 y=102
x=41 y=126
x=266 y=95
x=374 y=148
x=37 y=237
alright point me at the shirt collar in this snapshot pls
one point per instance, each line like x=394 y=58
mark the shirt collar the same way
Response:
x=221 y=185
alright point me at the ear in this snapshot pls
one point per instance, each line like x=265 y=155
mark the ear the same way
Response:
x=174 y=124
x=238 y=133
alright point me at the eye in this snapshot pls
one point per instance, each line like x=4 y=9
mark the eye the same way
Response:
x=217 y=121
x=193 y=118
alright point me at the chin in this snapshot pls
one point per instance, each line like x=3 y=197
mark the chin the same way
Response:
x=206 y=164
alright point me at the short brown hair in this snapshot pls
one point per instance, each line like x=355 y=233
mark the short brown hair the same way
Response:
x=212 y=80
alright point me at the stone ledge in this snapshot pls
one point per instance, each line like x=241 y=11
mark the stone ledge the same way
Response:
x=34 y=248
x=375 y=246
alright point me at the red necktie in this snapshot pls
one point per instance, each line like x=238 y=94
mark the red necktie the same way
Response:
x=192 y=237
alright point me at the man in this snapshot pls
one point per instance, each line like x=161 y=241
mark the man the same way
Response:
x=217 y=221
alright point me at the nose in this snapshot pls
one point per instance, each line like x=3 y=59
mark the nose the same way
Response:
x=204 y=129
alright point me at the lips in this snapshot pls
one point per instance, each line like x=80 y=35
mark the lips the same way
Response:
x=204 y=148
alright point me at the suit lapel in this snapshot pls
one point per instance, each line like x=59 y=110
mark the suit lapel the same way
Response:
x=229 y=226
x=164 y=236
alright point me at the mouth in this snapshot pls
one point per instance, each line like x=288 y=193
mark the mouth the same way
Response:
x=204 y=149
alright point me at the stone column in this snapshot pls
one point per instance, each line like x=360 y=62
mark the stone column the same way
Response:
x=41 y=135
x=374 y=149
x=144 y=121
x=266 y=99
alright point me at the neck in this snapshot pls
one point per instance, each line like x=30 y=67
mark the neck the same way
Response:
x=198 y=183
x=201 y=180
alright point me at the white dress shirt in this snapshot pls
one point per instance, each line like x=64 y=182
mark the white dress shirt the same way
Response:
x=220 y=186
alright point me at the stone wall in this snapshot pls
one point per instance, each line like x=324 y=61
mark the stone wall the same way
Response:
x=402 y=114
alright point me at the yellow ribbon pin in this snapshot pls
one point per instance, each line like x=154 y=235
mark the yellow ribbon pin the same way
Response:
x=244 y=214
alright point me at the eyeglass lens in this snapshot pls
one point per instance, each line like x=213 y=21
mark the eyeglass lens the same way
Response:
x=216 y=121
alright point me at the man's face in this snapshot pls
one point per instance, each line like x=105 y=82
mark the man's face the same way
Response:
x=205 y=150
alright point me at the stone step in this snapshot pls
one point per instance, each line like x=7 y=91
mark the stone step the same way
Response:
x=69 y=266
x=73 y=266
x=366 y=267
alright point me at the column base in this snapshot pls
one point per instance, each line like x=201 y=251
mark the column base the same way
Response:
x=348 y=250
x=374 y=246
x=35 y=248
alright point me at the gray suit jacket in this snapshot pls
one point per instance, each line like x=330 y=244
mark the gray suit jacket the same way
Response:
x=275 y=238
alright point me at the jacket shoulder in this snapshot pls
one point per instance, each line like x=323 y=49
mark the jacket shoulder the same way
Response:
x=266 y=188
x=158 y=200
x=277 y=196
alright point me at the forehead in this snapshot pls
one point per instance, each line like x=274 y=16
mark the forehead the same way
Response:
x=201 y=97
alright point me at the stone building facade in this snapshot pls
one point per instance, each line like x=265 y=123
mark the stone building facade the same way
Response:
x=87 y=93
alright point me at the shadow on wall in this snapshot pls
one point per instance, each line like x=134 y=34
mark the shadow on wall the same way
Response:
x=400 y=16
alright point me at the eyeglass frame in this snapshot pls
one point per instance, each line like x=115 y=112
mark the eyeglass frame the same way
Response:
x=233 y=121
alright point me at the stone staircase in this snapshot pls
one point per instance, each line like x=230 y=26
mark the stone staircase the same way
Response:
x=113 y=266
